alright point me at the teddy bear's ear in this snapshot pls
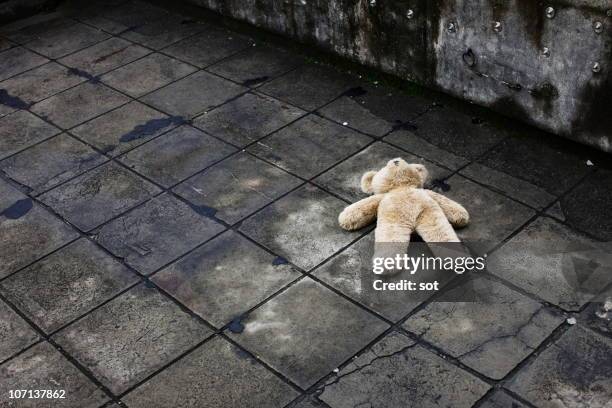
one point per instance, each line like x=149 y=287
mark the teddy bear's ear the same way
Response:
x=366 y=182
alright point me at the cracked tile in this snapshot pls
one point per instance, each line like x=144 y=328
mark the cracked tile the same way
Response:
x=587 y=207
x=193 y=95
x=220 y=286
x=44 y=368
x=247 y=118
x=176 y=155
x=99 y=195
x=15 y=333
x=345 y=178
x=309 y=146
x=67 y=284
x=50 y=163
x=21 y=130
x=309 y=87
x=105 y=56
x=79 y=104
x=131 y=337
x=350 y=272
x=147 y=74
x=28 y=232
x=554 y=262
x=515 y=188
x=60 y=41
x=396 y=370
x=256 y=65
x=17 y=60
x=575 y=371
x=465 y=322
x=208 y=47
x=236 y=187
x=375 y=111
x=307 y=331
x=161 y=33
x=302 y=227
x=493 y=217
x=124 y=128
x=156 y=233
x=216 y=374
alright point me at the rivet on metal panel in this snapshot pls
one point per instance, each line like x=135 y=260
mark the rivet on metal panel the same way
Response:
x=550 y=12
x=410 y=14
x=596 y=67
x=598 y=27
x=546 y=52
x=497 y=26
x=451 y=27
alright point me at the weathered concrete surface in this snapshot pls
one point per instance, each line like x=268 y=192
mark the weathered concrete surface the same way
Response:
x=532 y=67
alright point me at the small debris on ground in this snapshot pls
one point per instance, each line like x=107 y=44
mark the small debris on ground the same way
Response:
x=589 y=163
x=571 y=320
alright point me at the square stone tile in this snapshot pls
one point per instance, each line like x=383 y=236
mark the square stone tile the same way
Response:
x=309 y=87
x=350 y=272
x=217 y=374
x=133 y=14
x=236 y=187
x=161 y=33
x=555 y=263
x=457 y=132
x=36 y=27
x=147 y=74
x=99 y=195
x=302 y=227
x=124 y=128
x=407 y=140
x=79 y=104
x=15 y=333
x=395 y=371
x=587 y=207
x=309 y=146
x=103 y=23
x=156 y=233
x=307 y=331
x=193 y=95
x=105 y=56
x=345 y=178
x=18 y=59
x=465 y=322
x=21 y=130
x=5 y=44
x=28 y=232
x=256 y=65
x=493 y=217
x=538 y=160
x=131 y=337
x=500 y=399
x=50 y=163
x=23 y=90
x=225 y=278
x=208 y=47
x=518 y=189
x=60 y=41
x=247 y=118
x=44 y=368
x=573 y=372
x=176 y=155
x=66 y=284
x=375 y=111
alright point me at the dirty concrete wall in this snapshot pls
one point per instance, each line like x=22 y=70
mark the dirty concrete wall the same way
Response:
x=544 y=62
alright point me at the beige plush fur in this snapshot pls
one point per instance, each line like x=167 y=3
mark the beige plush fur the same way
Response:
x=402 y=205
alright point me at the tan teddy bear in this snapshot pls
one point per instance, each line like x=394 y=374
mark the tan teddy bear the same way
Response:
x=402 y=206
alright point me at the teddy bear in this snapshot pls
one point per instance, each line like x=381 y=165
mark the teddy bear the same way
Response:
x=402 y=206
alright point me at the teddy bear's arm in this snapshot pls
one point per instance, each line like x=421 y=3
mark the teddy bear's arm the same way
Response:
x=456 y=214
x=360 y=214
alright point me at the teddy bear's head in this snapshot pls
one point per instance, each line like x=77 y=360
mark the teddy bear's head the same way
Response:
x=397 y=173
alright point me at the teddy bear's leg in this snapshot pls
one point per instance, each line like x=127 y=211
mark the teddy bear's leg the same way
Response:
x=434 y=227
x=456 y=214
x=360 y=214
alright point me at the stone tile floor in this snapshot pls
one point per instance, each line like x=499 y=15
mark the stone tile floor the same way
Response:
x=168 y=199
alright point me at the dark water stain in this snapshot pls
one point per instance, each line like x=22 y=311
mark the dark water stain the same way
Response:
x=469 y=58
x=356 y=91
x=84 y=74
x=18 y=209
x=204 y=210
x=545 y=93
x=255 y=81
x=236 y=325
x=11 y=101
x=150 y=128
x=532 y=16
x=279 y=260
x=440 y=185
x=105 y=57
x=399 y=125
